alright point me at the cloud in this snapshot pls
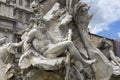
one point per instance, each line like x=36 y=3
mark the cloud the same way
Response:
x=96 y=28
x=119 y=34
x=105 y=12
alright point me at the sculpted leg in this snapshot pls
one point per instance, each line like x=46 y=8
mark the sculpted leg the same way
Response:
x=56 y=50
x=77 y=55
x=61 y=47
x=67 y=66
x=23 y=56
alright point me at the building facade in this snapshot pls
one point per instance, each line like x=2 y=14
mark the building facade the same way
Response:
x=96 y=40
x=14 y=18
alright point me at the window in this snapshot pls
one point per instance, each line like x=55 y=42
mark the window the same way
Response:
x=14 y=1
x=14 y=12
x=20 y=2
x=27 y=17
x=20 y=15
x=7 y=1
x=27 y=3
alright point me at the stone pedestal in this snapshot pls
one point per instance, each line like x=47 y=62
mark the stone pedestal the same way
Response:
x=37 y=74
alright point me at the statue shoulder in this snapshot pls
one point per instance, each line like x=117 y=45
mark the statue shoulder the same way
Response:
x=32 y=31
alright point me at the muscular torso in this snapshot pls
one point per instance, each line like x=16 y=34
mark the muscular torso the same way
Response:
x=41 y=41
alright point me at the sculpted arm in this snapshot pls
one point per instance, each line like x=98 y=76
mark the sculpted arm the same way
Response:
x=31 y=35
x=17 y=44
x=30 y=38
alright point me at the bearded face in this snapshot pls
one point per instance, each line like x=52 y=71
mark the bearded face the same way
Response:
x=83 y=9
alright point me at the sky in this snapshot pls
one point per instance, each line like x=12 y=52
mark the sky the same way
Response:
x=106 y=19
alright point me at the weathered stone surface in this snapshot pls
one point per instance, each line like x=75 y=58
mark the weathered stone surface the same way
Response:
x=50 y=37
x=2 y=71
x=101 y=69
x=115 y=77
x=37 y=74
x=57 y=15
x=6 y=71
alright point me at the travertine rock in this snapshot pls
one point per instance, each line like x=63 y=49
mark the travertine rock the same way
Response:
x=37 y=74
x=54 y=42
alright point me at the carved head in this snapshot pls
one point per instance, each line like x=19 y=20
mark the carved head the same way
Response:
x=105 y=44
x=36 y=7
x=82 y=8
x=34 y=4
x=42 y=23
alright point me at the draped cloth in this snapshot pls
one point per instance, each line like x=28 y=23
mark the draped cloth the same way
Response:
x=35 y=59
